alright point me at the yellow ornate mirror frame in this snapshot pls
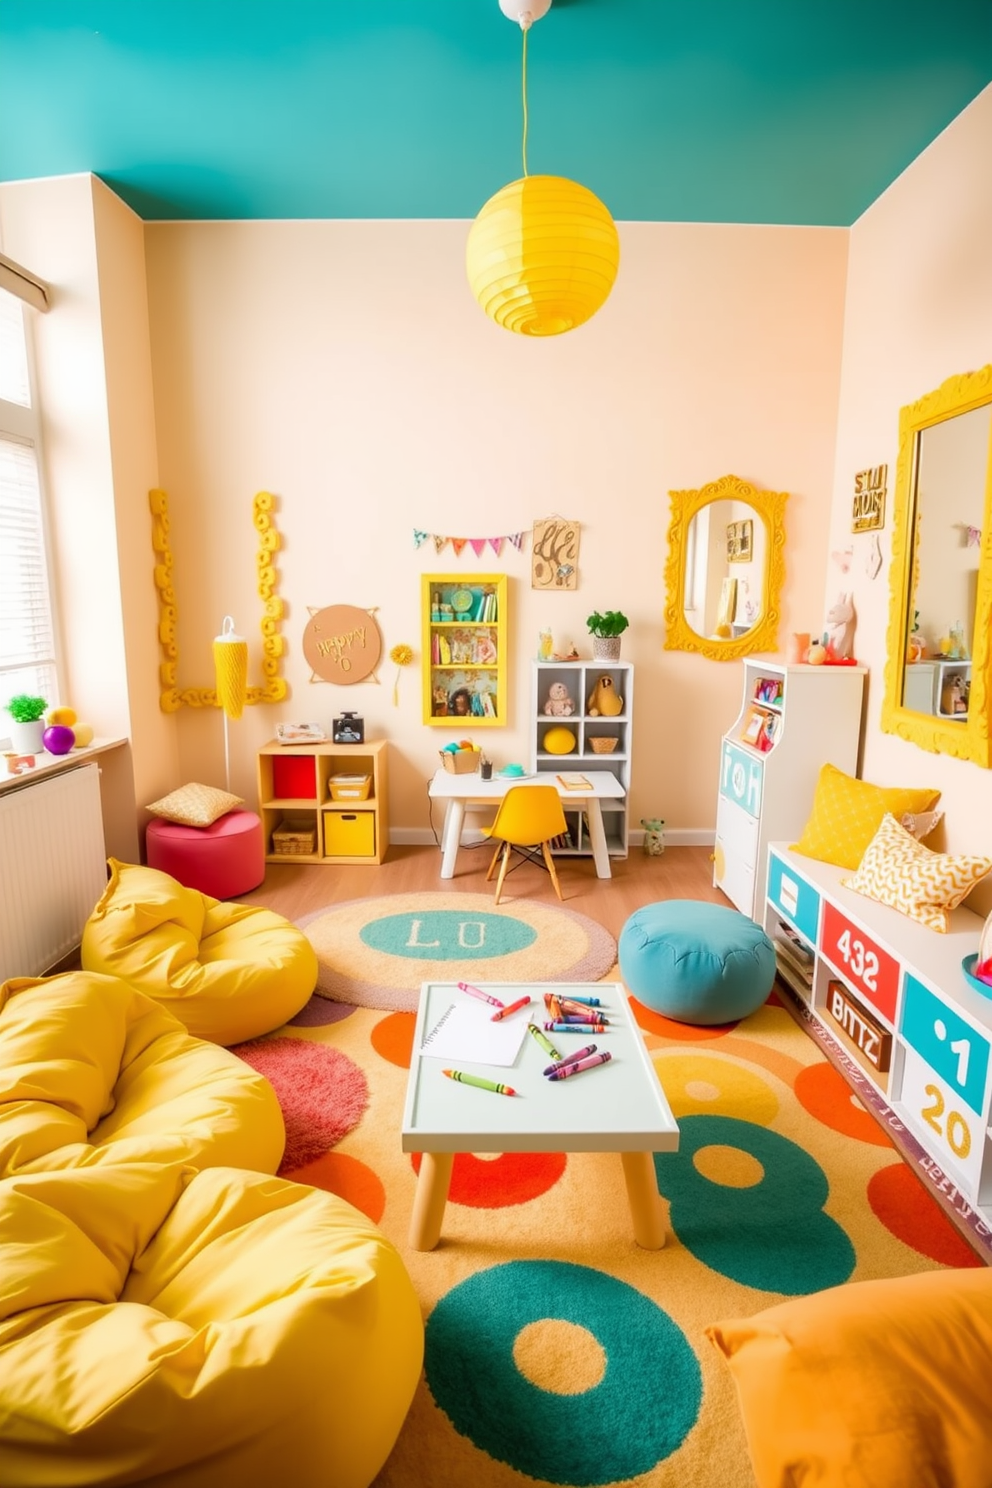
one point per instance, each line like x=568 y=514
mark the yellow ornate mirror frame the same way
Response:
x=725 y=569
x=938 y=669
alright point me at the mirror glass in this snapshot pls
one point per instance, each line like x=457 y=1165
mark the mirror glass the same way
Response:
x=937 y=683
x=725 y=569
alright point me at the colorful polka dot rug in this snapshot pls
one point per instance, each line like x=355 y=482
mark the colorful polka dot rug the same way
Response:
x=556 y=1350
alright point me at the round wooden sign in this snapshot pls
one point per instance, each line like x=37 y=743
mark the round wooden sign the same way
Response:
x=342 y=643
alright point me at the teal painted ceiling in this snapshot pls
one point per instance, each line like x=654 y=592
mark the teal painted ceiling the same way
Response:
x=765 y=111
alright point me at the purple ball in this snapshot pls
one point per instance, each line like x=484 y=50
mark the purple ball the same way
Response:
x=58 y=739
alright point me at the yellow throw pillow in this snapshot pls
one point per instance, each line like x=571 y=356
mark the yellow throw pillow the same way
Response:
x=847 y=812
x=902 y=873
x=876 y=1384
x=195 y=805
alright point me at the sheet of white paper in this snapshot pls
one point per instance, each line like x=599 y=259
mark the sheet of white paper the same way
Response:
x=466 y=1034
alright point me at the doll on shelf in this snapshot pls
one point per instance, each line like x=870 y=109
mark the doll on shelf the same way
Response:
x=485 y=650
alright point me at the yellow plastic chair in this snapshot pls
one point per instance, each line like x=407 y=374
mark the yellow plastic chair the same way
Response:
x=529 y=817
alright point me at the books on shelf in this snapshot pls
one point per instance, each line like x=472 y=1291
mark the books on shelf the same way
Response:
x=760 y=728
x=571 y=780
x=794 y=952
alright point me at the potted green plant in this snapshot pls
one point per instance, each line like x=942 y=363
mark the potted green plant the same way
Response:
x=606 y=630
x=27 y=723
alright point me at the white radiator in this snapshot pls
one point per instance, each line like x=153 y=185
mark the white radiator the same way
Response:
x=53 y=868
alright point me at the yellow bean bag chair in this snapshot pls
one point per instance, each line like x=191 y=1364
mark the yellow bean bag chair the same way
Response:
x=229 y=972
x=92 y=1071
x=219 y=1329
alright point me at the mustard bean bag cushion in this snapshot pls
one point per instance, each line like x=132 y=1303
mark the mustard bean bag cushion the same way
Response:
x=229 y=972
x=92 y=1071
x=219 y=1329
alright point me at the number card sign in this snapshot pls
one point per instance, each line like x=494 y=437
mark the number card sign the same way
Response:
x=554 y=562
x=932 y=1106
x=863 y=964
x=868 y=510
x=864 y=1031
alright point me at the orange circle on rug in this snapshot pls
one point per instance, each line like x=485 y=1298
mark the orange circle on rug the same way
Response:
x=392 y=1037
x=337 y=1173
x=653 y=1022
x=901 y=1202
x=496 y=1183
x=825 y=1094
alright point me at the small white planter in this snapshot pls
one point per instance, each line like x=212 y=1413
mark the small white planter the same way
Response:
x=25 y=738
x=606 y=648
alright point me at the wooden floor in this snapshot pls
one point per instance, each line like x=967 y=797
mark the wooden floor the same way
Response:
x=296 y=889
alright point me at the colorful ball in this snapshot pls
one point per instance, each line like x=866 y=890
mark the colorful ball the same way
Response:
x=83 y=733
x=559 y=741
x=58 y=739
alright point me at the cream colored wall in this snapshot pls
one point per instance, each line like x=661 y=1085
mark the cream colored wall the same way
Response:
x=99 y=460
x=919 y=310
x=345 y=367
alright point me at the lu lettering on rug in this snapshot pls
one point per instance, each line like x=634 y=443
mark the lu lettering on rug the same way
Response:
x=376 y=952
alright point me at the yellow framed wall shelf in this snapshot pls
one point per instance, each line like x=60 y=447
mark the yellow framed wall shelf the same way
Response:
x=464 y=650
x=324 y=803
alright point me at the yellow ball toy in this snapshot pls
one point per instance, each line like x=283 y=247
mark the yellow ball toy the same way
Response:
x=83 y=733
x=559 y=741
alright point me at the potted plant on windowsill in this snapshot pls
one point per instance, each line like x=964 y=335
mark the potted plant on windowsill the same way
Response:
x=606 y=630
x=27 y=723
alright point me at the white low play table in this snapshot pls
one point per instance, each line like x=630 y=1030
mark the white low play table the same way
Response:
x=618 y=1107
x=460 y=791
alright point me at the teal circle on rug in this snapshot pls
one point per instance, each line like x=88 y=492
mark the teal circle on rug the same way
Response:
x=447 y=935
x=376 y=952
x=639 y=1411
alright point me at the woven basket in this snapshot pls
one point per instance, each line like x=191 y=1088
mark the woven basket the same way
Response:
x=601 y=744
x=606 y=648
x=461 y=761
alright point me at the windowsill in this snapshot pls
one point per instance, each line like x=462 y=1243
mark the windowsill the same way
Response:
x=53 y=764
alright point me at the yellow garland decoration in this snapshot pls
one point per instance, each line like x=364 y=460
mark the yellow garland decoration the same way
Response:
x=275 y=687
x=402 y=656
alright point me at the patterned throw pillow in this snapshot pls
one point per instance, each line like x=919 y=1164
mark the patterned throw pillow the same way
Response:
x=846 y=814
x=195 y=805
x=902 y=873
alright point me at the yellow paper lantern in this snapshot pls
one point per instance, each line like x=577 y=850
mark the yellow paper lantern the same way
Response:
x=542 y=255
x=231 y=669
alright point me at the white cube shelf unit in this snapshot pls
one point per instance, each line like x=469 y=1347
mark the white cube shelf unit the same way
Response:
x=914 y=1038
x=792 y=720
x=580 y=678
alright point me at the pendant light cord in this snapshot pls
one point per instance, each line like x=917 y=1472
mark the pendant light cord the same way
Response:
x=524 y=90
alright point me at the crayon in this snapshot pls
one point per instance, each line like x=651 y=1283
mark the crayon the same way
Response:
x=571 y=1058
x=513 y=1007
x=545 y=1043
x=574 y=1066
x=553 y=1004
x=478 y=1080
x=587 y=1017
x=478 y=992
x=585 y=1001
x=578 y=1009
x=575 y=1027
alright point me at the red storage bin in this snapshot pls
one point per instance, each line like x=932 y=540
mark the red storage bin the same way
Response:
x=294 y=776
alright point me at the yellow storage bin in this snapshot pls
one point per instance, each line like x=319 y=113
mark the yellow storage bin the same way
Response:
x=349 y=834
x=350 y=787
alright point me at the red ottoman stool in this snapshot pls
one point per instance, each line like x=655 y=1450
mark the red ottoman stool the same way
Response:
x=222 y=860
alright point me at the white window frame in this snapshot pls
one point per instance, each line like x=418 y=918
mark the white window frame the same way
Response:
x=24 y=425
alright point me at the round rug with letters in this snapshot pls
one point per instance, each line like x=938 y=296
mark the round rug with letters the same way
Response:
x=376 y=952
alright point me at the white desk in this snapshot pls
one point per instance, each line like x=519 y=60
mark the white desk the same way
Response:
x=459 y=791
x=620 y=1107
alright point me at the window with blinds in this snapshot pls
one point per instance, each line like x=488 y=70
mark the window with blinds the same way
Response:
x=27 y=631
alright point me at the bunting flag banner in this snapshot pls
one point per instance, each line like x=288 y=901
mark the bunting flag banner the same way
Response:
x=459 y=544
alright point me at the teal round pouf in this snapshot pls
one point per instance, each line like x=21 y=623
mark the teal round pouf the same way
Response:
x=696 y=962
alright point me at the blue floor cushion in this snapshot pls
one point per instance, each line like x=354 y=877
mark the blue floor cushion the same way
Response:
x=696 y=962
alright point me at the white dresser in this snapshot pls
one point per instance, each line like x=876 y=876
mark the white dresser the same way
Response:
x=792 y=720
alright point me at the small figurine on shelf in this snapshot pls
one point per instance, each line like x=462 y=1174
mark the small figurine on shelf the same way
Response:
x=604 y=700
x=569 y=653
x=460 y=703
x=559 y=704
x=545 y=645
x=841 y=620
x=440 y=702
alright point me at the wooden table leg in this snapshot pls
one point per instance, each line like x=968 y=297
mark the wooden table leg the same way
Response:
x=430 y=1199
x=644 y=1200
